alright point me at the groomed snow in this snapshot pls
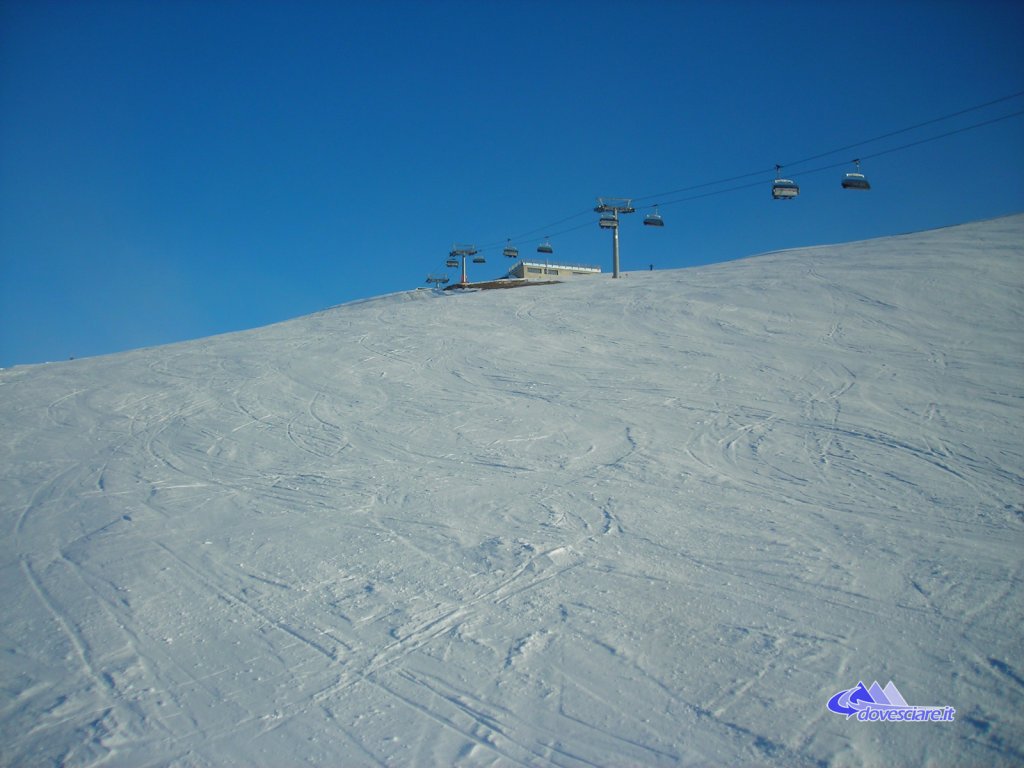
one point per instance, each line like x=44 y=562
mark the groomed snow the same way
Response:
x=653 y=521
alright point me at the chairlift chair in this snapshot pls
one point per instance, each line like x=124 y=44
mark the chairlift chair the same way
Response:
x=453 y=262
x=608 y=221
x=511 y=251
x=479 y=260
x=545 y=247
x=856 y=180
x=654 y=219
x=783 y=189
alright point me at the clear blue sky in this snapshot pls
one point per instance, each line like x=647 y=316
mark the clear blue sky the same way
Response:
x=175 y=169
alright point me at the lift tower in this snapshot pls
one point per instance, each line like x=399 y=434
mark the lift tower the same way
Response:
x=462 y=251
x=610 y=208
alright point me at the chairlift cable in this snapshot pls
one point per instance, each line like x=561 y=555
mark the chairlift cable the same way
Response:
x=545 y=228
x=943 y=135
x=909 y=128
x=861 y=158
x=550 y=228
x=833 y=166
x=852 y=146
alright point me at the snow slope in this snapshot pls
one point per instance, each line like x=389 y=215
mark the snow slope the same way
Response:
x=652 y=521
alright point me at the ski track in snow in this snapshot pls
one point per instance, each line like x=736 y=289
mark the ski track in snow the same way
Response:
x=657 y=521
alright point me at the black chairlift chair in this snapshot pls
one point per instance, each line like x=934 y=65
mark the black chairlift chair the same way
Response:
x=654 y=219
x=608 y=221
x=479 y=260
x=783 y=189
x=856 y=180
x=452 y=262
x=511 y=251
x=545 y=247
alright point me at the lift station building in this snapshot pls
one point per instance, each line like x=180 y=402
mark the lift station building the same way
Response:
x=539 y=270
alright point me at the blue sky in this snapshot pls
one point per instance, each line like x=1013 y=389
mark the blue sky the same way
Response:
x=173 y=170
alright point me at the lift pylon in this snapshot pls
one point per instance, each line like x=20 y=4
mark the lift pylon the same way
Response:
x=610 y=208
x=462 y=251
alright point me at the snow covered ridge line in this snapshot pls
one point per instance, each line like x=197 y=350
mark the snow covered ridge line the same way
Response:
x=886 y=705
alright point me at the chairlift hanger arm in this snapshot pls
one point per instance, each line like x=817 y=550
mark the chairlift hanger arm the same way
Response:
x=463 y=250
x=614 y=205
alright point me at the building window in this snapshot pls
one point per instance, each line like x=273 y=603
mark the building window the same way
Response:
x=551 y=271
x=534 y=270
